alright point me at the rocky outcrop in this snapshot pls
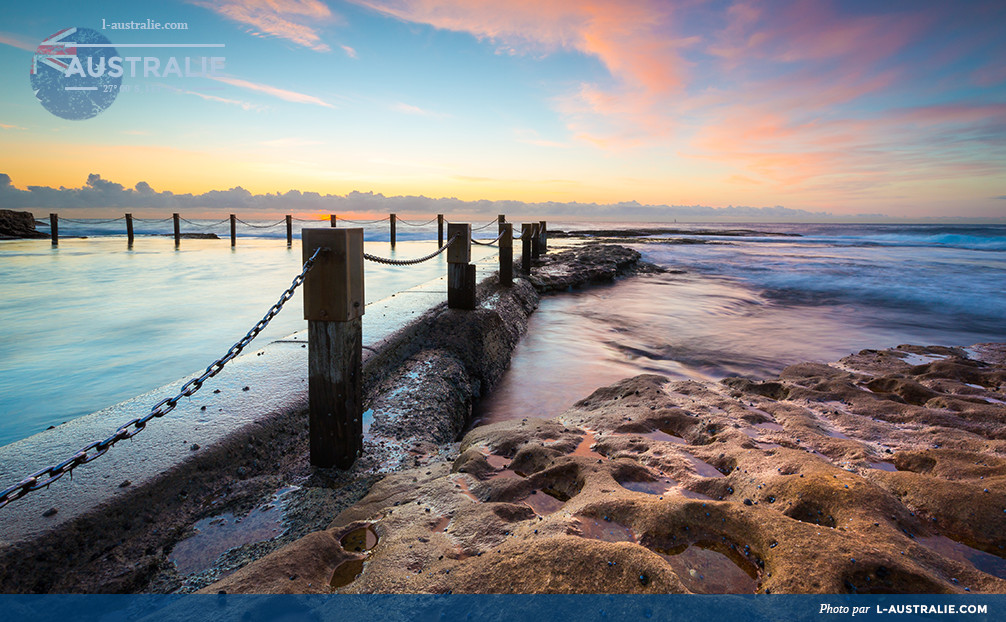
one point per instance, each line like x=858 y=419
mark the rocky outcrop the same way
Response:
x=14 y=225
x=882 y=473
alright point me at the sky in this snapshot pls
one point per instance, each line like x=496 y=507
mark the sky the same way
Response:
x=846 y=108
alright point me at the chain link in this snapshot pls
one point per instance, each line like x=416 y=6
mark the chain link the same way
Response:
x=485 y=226
x=91 y=222
x=489 y=243
x=276 y=224
x=365 y=222
x=43 y=477
x=410 y=262
x=201 y=224
x=416 y=224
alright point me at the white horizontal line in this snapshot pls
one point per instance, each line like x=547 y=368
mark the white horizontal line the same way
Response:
x=80 y=88
x=147 y=45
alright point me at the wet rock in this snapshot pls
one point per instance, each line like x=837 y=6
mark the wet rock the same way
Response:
x=18 y=225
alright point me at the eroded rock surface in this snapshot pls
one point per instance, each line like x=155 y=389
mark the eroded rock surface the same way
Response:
x=18 y=225
x=884 y=472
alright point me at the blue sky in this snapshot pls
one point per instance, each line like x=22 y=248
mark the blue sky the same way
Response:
x=846 y=107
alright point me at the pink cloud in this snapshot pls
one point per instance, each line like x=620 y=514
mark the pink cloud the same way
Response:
x=293 y=20
x=284 y=94
x=18 y=41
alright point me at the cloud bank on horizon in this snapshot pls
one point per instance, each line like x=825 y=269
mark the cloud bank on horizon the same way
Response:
x=100 y=198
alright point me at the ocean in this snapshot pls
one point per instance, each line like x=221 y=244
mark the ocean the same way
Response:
x=92 y=323
x=752 y=304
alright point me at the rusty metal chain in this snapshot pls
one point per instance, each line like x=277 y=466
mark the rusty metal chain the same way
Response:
x=410 y=262
x=416 y=224
x=485 y=226
x=43 y=477
x=490 y=243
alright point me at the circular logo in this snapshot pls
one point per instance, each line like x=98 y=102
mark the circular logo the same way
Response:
x=76 y=73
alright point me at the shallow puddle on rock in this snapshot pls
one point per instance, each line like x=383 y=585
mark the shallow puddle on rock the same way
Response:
x=664 y=435
x=922 y=359
x=761 y=445
x=607 y=531
x=704 y=569
x=462 y=484
x=657 y=487
x=497 y=462
x=359 y=540
x=703 y=468
x=506 y=474
x=442 y=524
x=218 y=534
x=584 y=448
x=545 y=501
x=883 y=466
x=346 y=572
x=684 y=492
x=986 y=562
x=769 y=426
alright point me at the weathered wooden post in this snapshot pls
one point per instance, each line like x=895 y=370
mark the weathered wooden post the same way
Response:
x=333 y=307
x=178 y=231
x=440 y=230
x=289 y=230
x=129 y=230
x=54 y=228
x=542 y=237
x=506 y=253
x=526 y=231
x=332 y=219
x=234 y=230
x=460 y=270
x=501 y=220
x=535 y=240
x=392 y=218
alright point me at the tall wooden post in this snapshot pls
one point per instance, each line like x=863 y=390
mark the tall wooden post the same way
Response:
x=333 y=307
x=542 y=237
x=129 y=230
x=501 y=219
x=289 y=230
x=332 y=219
x=234 y=230
x=392 y=219
x=506 y=253
x=178 y=231
x=526 y=231
x=54 y=228
x=460 y=270
x=440 y=230
x=535 y=241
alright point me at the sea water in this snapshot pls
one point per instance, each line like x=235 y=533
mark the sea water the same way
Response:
x=751 y=304
x=91 y=323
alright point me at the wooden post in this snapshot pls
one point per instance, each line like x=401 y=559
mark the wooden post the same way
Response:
x=501 y=219
x=54 y=228
x=506 y=253
x=333 y=307
x=392 y=219
x=332 y=219
x=526 y=231
x=289 y=230
x=440 y=230
x=129 y=230
x=542 y=237
x=234 y=230
x=460 y=270
x=178 y=231
x=535 y=241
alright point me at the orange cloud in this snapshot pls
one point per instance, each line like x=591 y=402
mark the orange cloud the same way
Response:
x=293 y=20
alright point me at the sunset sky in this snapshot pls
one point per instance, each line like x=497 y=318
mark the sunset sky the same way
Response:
x=847 y=107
